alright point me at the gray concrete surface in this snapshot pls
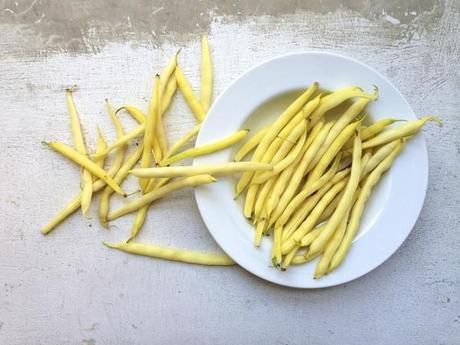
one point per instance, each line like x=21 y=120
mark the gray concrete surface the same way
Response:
x=69 y=289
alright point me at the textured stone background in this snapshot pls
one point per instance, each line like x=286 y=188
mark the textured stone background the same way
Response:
x=69 y=289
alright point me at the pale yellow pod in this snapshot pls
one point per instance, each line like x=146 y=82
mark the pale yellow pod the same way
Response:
x=285 y=156
x=283 y=136
x=260 y=227
x=279 y=187
x=344 y=120
x=338 y=97
x=333 y=205
x=309 y=223
x=331 y=247
x=277 y=238
x=358 y=207
x=289 y=257
x=168 y=94
x=407 y=129
x=299 y=173
x=332 y=151
x=262 y=197
x=345 y=203
x=120 y=154
x=101 y=145
x=216 y=169
x=193 y=103
x=159 y=141
x=310 y=237
x=372 y=130
x=80 y=147
x=273 y=131
x=135 y=113
x=118 y=178
x=146 y=159
x=304 y=210
x=284 y=119
x=97 y=185
x=379 y=156
x=206 y=75
x=294 y=204
x=183 y=140
x=168 y=74
x=138 y=131
x=250 y=145
x=173 y=254
x=86 y=163
x=206 y=149
x=250 y=200
x=149 y=197
x=141 y=213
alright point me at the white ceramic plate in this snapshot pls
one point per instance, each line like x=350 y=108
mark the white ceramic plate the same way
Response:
x=254 y=100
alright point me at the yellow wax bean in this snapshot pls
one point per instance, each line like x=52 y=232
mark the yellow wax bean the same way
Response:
x=262 y=197
x=80 y=147
x=97 y=185
x=379 y=156
x=279 y=187
x=250 y=200
x=250 y=145
x=274 y=130
x=310 y=237
x=86 y=163
x=301 y=213
x=306 y=192
x=190 y=98
x=206 y=149
x=118 y=178
x=313 y=141
x=331 y=247
x=101 y=145
x=277 y=233
x=218 y=169
x=287 y=137
x=259 y=231
x=284 y=157
x=122 y=141
x=141 y=213
x=146 y=159
x=173 y=254
x=372 y=130
x=159 y=142
x=404 y=130
x=334 y=99
x=350 y=114
x=289 y=257
x=168 y=74
x=183 y=140
x=206 y=75
x=135 y=113
x=332 y=151
x=345 y=203
x=309 y=223
x=168 y=94
x=149 y=197
x=358 y=207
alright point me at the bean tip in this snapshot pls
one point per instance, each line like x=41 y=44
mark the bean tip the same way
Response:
x=71 y=88
x=109 y=245
x=376 y=92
